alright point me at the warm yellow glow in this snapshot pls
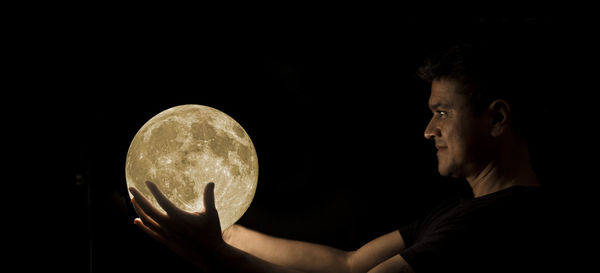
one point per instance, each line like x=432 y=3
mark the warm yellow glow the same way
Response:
x=184 y=148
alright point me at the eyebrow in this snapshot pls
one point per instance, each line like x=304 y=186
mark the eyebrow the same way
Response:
x=439 y=105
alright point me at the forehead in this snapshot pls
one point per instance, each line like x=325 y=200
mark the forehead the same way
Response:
x=445 y=93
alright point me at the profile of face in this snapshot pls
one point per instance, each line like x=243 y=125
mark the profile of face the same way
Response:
x=461 y=137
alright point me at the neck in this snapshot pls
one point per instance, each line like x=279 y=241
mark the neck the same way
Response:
x=506 y=170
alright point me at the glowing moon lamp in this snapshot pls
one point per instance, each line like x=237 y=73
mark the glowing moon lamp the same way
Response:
x=184 y=148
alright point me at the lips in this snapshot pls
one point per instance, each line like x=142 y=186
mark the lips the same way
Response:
x=440 y=148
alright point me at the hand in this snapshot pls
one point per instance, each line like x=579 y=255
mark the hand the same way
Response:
x=193 y=236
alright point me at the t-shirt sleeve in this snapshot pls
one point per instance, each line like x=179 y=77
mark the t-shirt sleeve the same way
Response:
x=409 y=233
x=427 y=242
x=432 y=253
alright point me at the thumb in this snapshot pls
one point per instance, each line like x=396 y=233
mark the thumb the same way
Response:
x=209 y=198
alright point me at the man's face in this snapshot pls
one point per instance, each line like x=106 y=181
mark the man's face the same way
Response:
x=459 y=135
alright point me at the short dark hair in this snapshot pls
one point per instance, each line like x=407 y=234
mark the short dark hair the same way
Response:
x=487 y=71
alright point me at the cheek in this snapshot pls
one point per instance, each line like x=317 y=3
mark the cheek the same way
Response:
x=469 y=142
x=458 y=142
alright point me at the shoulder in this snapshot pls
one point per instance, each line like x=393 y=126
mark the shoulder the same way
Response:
x=498 y=228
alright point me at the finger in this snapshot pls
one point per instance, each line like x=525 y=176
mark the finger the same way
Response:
x=146 y=207
x=156 y=235
x=149 y=222
x=163 y=201
x=209 y=198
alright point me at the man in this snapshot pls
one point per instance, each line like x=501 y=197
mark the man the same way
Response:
x=478 y=127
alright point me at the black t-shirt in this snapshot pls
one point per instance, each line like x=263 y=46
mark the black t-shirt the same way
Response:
x=506 y=231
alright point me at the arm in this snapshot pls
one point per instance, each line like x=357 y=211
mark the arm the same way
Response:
x=395 y=264
x=230 y=259
x=198 y=238
x=377 y=252
x=309 y=257
x=302 y=256
x=235 y=258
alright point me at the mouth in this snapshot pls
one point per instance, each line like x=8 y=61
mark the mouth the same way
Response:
x=440 y=148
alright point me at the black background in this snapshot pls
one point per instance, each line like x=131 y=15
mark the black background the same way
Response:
x=333 y=106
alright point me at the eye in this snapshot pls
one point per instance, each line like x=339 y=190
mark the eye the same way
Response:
x=441 y=113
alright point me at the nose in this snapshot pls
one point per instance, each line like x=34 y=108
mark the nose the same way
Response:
x=432 y=131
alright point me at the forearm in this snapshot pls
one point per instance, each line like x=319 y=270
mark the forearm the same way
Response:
x=376 y=252
x=227 y=258
x=302 y=256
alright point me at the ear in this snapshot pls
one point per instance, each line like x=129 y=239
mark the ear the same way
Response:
x=500 y=117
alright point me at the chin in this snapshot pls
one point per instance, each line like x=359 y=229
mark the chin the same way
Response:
x=447 y=171
x=443 y=172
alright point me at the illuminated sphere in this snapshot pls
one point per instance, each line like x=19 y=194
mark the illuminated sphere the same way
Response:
x=184 y=148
